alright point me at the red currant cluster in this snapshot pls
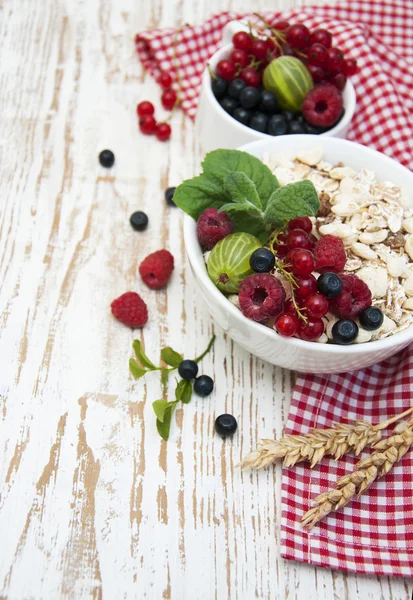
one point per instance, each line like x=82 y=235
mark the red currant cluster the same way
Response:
x=146 y=111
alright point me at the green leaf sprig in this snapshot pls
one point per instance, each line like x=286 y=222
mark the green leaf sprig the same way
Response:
x=141 y=365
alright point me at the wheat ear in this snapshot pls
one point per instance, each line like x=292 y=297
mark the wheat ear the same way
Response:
x=336 y=441
x=387 y=453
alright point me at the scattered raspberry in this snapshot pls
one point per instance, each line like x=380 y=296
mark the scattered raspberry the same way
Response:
x=157 y=268
x=354 y=298
x=330 y=254
x=322 y=106
x=213 y=226
x=130 y=309
x=261 y=296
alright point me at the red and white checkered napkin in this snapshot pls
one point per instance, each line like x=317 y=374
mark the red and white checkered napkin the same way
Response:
x=379 y=34
x=373 y=534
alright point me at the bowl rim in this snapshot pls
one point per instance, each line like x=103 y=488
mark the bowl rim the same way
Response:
x=349 y=102
x=193 y=248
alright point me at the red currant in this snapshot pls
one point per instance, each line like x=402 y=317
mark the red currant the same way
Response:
x=242 y=40
x=307 y=285
x=339 y=80
x=317 y=73
x=312 y=239
x=259 y=49
x=350 y=67
x=163 y=132
x=303 y=262
x=286 y=324
x=289 y=307
x=321 y=36
x=145 y=108
x=168 y=99
x=281 y=25
x=298 y=35
x=281 y=247
x=300 y=223
x=335 y=60
x=317 y=306
x=165 y=80
x=317 y=55
x=250 y=76
x=289 y=260
x=226 y=69
x=239 y=57
x=310 y=331
x=147 y=124
x=298 y=238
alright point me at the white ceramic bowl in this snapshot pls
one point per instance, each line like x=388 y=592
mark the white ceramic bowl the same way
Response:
x=292 y=353
x=215 y=128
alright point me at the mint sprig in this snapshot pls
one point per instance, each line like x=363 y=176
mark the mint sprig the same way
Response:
x=183 y=390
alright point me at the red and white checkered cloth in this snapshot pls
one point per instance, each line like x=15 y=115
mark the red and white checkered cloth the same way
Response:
x=373 y=534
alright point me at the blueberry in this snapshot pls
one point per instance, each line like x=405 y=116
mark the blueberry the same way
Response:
x=371 y=318
x=259 y=122
x=311 y=129
x=107 y=158
x=226 y=425
x=295 y=127
x=288 y=115
x=139 y=221
x=188 y=369
x=229 y=104
x=262 y=260
x=219 y=87
x=330 y=285
x=235 y=87
x=203 y=385
x=249 y=97
x=268 y=103
x=345 y=331
x=169 y=194
x=277 y=125
x=300 y=119
x=242 y=115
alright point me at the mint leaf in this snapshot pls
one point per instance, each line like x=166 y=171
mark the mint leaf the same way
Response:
x=250 y=223
x=141 y=356
x=220 y=163
x=164 y=426
x=242 y=190
x=159 y=407
x=195 y=195
x=135 y=369
x=171 y=357
x=290 y=201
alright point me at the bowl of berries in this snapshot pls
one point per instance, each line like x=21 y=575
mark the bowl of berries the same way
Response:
x=302 y=248
x=274 y=80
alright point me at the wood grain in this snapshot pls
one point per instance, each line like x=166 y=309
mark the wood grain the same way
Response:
x=93 y=504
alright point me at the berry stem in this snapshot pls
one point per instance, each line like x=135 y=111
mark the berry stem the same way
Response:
x=208 y=348
x=277 y=34
x=290 y=277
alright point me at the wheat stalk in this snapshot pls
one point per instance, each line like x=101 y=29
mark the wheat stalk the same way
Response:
x=336 y=441
x=387 y=453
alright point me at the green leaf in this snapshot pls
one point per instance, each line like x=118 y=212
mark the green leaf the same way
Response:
x=195 y=195
x=246 y=207
x=164 y=426
x=159 y=408
x=183 y=391
x=220 y=163
x=135 y=369
x=171 y=357
x=250 y=223
x=141 y=356
x=242 y=190
x=290 y=201
x=164 y=377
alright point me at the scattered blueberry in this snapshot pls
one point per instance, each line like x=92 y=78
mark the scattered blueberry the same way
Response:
x=295 y=126
x=345 y=331
x=235 y=87
x=268 y=103
x=229 y=104
x=288 y=115
x=262 y=260
x=139 y=220
x=169 y=194
x=188 y=369
x=219 y=87
x=107 y=158
x=371 y=318
x=249 y=97
x=259 y=122
x=203 y=385
x=330 y=285
x=226 y=425
x=277 y=125
x=242 y=115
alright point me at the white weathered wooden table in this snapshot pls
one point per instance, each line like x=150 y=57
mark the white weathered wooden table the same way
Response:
x=93 y=504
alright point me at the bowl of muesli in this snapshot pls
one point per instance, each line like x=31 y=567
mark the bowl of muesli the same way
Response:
x=339 y=214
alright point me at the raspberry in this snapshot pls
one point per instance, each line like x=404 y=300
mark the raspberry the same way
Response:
x=157 y=268
x=322 y=106
x=130 y=309
x=261 y=296
x=330 y=254
x=213 y=226
x=355 y=297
